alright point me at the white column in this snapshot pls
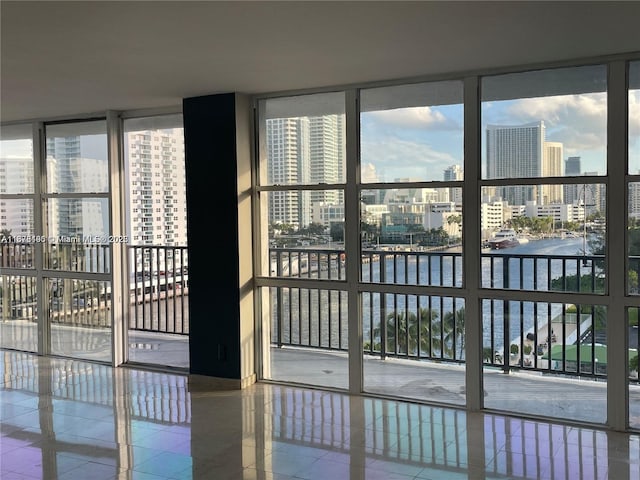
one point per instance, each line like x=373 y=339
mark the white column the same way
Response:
x=471 y=244
x=119 y=270
x=617 y=253
x=352 y=240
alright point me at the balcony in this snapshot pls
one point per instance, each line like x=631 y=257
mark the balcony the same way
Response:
x=418 y=338
x=528 y=272
x=406 y=335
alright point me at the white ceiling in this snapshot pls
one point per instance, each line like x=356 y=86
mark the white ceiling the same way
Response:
x=68 y=58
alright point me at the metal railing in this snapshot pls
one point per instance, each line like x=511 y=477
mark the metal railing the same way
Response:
x=538 y=336
x=158 y=286
x=534 y=336
x=159 y=289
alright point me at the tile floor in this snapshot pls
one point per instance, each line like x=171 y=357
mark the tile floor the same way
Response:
x=66 y=419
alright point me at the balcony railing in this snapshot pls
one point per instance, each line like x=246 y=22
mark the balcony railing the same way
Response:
x=159 y=289
x=158 y=286
x=543 y=337
x=534 y=336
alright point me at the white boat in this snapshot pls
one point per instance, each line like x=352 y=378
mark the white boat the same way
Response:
x=504 y=238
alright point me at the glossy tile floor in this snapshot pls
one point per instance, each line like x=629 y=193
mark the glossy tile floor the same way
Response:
x=66 y=419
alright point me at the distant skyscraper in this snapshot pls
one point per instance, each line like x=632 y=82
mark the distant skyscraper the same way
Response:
x=69 y=172
x=572 y=168
x=451 y=174
x=326 y=156
x=634 y=200
x=552 y=166
x=288 y=152
x=16 y=176
x=157 y=187
x=516 y=151
x=304 y=150
x=593 y=195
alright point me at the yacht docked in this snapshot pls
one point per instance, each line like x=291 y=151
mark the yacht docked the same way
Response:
x=504 y=238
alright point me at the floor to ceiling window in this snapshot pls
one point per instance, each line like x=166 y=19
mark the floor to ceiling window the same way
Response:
x=542 y=271
x=302 y=206
x=77 y=250
x=18 y=287
x=156 y=226
x=411 y=172
x=364 y=282
x=548 y=125
x=58 y=262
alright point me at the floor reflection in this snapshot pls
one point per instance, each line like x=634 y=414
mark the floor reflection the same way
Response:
x=67 y=419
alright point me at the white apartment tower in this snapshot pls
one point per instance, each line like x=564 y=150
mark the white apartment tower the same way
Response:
x=552 y=166
x=69 y=172
x=157 y=187
x=308 y=151
x=289 y=164
x=452 y=174
x=16 y=176
x=634 y=200
x=326 y=156
x=493 y=215
x=516 y=151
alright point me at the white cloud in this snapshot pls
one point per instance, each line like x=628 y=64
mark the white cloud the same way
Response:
x=395 y=158
x=414 y=118
x=578 y=121
x=556 y=109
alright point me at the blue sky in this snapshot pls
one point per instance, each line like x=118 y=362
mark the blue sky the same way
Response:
x=420 y=142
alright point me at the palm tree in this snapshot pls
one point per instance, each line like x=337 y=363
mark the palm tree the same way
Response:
x=410 y=334
x=453 y=323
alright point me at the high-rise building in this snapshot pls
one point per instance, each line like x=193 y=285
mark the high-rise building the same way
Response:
x=515 y=151
x=326 y=156
x=592 y=196
x=552 y=166
x=304 y=150
x=16 y=176
x=634 y=200
x=157 y=187
x=451 y=174
x=572 y=168
x=288 y=152
x=68 y=171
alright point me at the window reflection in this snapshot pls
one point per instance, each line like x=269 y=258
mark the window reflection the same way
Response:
x=77 y=158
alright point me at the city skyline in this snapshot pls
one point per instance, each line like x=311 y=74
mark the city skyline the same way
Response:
x=422 y=141
x=155 y=193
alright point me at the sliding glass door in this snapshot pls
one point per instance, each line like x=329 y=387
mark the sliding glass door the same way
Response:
x=18 y=285
x=76 y=241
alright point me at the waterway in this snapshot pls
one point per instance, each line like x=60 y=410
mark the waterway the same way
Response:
x=548 y=246
x=543 y=261
x=445 y=269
